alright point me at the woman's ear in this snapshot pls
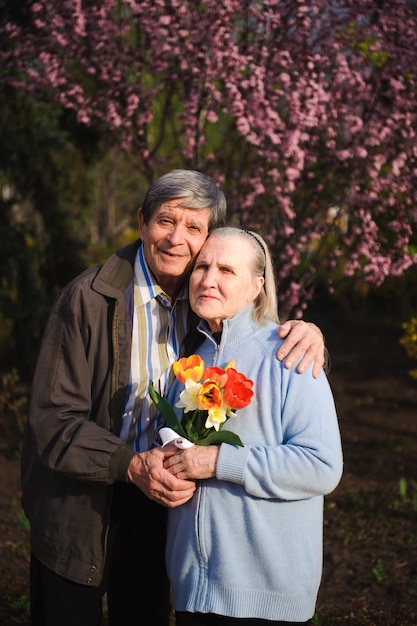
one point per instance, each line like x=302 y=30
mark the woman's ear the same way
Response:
x=257 y=286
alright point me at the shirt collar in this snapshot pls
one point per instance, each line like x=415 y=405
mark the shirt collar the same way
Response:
x=145 y=281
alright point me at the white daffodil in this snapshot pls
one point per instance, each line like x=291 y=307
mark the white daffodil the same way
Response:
x=188 y=398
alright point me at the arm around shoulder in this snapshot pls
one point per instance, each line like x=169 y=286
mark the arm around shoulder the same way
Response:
x=305 y=341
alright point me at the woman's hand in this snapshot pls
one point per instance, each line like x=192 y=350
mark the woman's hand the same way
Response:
x=193 y=463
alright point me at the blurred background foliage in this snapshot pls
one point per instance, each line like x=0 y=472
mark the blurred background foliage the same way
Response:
x=68 y=200
x=69 y=191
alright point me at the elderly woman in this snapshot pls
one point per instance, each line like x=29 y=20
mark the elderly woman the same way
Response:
x=247 y=548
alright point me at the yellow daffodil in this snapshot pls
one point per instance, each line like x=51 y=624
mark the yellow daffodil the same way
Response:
x=216 y=417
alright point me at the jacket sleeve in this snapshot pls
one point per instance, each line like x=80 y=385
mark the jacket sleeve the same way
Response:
x=305 y=459
x=70 y=419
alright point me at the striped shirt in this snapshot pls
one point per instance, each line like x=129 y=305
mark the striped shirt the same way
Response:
x=159 y=327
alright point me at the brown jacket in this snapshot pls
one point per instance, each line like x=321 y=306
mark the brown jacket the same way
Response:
x=72 y=454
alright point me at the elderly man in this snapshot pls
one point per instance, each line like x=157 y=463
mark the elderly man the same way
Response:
x=93 y=481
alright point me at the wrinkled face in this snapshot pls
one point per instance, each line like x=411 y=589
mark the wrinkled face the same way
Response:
x=171 y=241
x=223 y=282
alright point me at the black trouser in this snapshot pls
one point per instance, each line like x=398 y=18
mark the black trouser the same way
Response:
x=135 y=578
x=211 y=619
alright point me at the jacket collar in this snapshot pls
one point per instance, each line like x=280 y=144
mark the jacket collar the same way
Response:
x=115 y=275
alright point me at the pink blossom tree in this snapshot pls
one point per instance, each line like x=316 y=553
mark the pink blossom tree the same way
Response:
x=305 y=111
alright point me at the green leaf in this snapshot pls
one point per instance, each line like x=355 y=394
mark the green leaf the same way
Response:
x=166 y=411
x=222 y=436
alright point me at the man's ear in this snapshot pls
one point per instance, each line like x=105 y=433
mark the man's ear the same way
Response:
x=141 y=220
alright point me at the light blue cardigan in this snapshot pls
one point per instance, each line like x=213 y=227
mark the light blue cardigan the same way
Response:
x=249 y=542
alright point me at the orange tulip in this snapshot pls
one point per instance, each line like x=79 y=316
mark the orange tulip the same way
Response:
x=189 y=368
x=210 y=395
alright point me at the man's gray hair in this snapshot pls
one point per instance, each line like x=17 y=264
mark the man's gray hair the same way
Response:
x=198 y=190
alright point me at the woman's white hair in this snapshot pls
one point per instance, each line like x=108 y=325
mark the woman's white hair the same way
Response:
x=266 y=303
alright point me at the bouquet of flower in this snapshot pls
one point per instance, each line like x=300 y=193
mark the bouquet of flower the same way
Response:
x=211 y=396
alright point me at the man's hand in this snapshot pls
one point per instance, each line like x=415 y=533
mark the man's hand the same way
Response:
x=147 y=472
x=302 y=338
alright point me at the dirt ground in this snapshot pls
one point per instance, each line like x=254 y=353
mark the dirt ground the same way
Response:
x=370 y=552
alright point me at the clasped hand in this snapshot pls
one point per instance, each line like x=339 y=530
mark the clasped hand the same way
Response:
x=191 y=463
x=147 y=472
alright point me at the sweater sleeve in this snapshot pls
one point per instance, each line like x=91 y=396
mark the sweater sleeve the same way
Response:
x=303 y=454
